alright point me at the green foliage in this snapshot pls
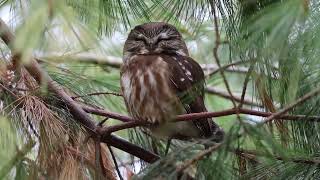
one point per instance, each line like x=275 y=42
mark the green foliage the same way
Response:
x=280 y=37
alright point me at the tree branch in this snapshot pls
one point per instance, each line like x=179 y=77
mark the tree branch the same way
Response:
x=194 y=116
x=75 y=109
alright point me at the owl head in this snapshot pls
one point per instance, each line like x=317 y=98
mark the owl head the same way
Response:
x=155 y=38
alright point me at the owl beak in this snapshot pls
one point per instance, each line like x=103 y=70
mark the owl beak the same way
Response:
x=151 y=45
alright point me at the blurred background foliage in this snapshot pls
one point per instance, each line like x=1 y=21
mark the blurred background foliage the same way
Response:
x=79 y=42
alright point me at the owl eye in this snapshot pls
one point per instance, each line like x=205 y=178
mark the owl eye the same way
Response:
x=140 y=39
x=164 y=38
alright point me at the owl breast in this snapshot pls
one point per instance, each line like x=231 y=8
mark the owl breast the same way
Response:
x=145 y=83
x=149 y=96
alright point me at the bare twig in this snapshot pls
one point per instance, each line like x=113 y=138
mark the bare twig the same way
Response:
x=228 y=68
x=105 y=113
x=97 y=94
x=115 y=163
x=222 y=93
x=245 y=84
x=211 y=69
x=216 y=56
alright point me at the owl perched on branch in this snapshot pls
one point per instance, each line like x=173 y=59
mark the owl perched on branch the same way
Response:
x=160 y=81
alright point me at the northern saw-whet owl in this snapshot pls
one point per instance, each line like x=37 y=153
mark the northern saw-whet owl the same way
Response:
x=160 y=81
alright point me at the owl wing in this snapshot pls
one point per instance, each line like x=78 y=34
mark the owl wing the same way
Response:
x=188 y=80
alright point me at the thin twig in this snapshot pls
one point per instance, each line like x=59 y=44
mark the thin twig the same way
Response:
x=245 y=84
x=228 y=68
x=216 y=56
x=226 y=95
x=211 y=69
x=115 y=163
x=97 y=94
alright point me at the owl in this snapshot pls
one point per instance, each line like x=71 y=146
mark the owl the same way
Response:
x=160 y=81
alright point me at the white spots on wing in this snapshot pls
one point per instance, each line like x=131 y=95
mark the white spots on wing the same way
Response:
x=185 y=70
x=188 y=73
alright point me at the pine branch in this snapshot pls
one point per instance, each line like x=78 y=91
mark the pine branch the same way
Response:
x=75 y=109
